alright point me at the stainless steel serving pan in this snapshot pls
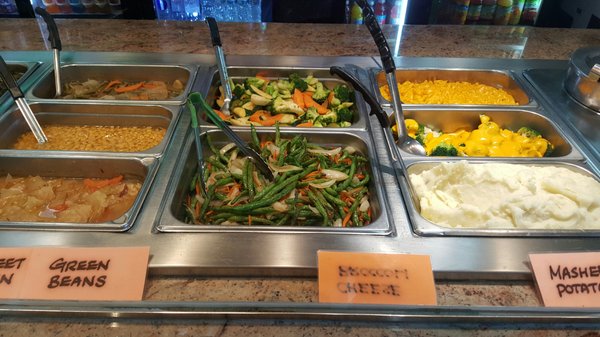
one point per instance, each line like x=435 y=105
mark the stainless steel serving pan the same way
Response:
x=500 y=79
x=26 y=68
x=173 y=212
x=583 y=77
x=44 y=89
x=424 y=227
x=451 y=120
x=238 y=74
x=12 y=125
x=37 y=164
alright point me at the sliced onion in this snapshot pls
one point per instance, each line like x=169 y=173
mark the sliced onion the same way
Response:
x=261 y=93
x=331 y=152
x=313 y=209
x=334 y=174
x=337 y=222
x=325 y=184
x=350 y=149
x=364 y=204
x=226 y=148
x=280 y=206
x=284 y=168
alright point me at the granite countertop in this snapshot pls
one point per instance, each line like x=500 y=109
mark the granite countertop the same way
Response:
x=296 y=40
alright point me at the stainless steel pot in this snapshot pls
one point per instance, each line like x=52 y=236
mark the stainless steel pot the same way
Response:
x=583 y=77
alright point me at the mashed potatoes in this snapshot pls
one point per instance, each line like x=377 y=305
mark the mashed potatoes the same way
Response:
x=504 y=196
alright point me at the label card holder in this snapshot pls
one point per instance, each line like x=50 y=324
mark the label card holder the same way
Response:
x=370 y=278
x=568 y=279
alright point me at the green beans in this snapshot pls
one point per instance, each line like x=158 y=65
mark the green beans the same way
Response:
x=241 y=195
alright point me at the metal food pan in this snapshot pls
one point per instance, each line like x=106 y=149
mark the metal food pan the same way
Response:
x=81 y=167
x=424 y=227
x=238 y=74
x=24 y=69
x=496 y=78
x=12 y=124
x=45 y=89
x=451 y=120
x=173 y=212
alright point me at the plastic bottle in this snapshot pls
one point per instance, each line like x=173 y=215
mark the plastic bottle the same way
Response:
x=76 y=6
x=515 y=13
x=530 y=12
x=474 y=11
x=88 y=5
x=395 y=11
x=503 y=11
x=379 y=11
x=488 y=8
x=50 y=6
x=115 y=7
x=356 y=14
x=63 y=6
x=459 y=11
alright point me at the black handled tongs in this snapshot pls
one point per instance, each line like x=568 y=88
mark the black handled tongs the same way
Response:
x=54 y=39
x=405 y=142
x=19 y=98
x=383 y=120
x=216 y=42
x=196 y=99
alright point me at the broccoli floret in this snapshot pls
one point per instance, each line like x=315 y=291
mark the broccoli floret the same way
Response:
x=420 y=134
x=345 y=115
x=311 y=114
x=328 y=118
x=444 y=149
x=255 y=81
x=298 y=83
x=272 y=89
x=284 y=85
x=528 y=132
x=549 y=150
x=238 y=91
x=343 y=93
x=281 y=105
x=344 y=124
x=321 y=93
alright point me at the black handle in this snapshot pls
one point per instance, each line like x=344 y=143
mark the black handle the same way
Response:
x=53 y=36
x=214 y=31
x=9 y=80
x=371 y=23
x=375 y=107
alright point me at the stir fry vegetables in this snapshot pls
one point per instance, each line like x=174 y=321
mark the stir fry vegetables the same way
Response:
x=313 y=186
x=123 y=90
x=295 y=101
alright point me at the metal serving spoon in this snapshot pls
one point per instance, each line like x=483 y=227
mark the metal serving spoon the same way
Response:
x=54 y=39
x=216 y=42
x=383 y=120
x=405 y=142
x=18 y=96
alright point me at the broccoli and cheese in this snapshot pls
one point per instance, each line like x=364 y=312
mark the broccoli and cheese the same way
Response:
x=293 y=101
x=488 y=140
x=445 y=92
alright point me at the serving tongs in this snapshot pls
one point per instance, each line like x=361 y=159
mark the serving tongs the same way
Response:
x=196 y=99
x=19 y=98
x=383 y=120
x=54 y=39
x=405 y=142
x=216 y=42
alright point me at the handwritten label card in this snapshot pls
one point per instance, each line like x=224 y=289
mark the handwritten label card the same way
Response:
x=14 y=264
x=349 y=277
x=102 y=274
x=568 y=279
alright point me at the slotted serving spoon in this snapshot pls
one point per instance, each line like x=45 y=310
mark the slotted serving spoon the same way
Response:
x=405 y=142
x=56 y=44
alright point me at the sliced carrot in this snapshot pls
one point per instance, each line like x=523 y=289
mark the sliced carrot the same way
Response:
x=346 y=219
x=98 y=184
x=298 y=98
x=222 y=115
x=111 y=84
x=270 y=121
x=197 y=209
x=129 y=88
x=256 y=116
x=197 y=189
x=328 y=100
x=360 y=176
x=309 y=102
x=58 y=207
x=308 y=124
x=249 y=220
